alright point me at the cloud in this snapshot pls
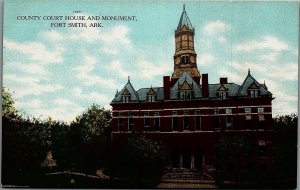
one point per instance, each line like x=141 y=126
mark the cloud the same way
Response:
x=268 y=70
x=270 y=57
x=206 y=59
x=30 y=85
x=284 y=102
x=214 y=31
x=36 y=51
x=85 y=74
x=65 y=113
x=52 y=35
x=62 y=102
x=148 y=69
x=266 y=43
x=31 y=68
x=215 y=27
x=93 y=97
x=115 y=68
x=31 y=104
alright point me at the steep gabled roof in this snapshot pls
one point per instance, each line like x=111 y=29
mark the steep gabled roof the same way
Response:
x=127 y=90
x=250 y=82
x=231 y=88
x=184 y=21
x=185 y=77
x=143 y=92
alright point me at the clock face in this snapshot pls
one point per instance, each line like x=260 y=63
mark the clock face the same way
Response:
x=184 y=37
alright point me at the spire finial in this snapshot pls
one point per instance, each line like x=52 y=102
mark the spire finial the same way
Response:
x=183 y=7
x=128 y=78
x=248 y=71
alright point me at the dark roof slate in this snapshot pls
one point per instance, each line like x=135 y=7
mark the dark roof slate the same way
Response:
x=184 y=21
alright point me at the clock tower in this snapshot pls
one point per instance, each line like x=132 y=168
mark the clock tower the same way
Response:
x=185 y=55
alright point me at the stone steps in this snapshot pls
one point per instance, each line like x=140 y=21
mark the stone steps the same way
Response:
x=187 y=175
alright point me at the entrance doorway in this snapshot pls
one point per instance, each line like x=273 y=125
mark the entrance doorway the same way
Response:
x=198 y=160
x=175 y=156
x=186 y=158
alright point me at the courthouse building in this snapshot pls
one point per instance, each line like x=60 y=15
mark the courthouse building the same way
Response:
x=188 y=115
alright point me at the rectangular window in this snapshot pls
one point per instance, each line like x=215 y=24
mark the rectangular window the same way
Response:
x=126 y=99
x=216 y=111
x=120 y=122
x=260 y=110
x=222 y=95
x=186 y=120
x=247 y=110
x=228 y=111
x=217 y=122
x=228 y=118
x=151 y=98
x=146 y=121
x=156 y=121
x=174 y=121
x=229 y=122
x=130 y=121
x=197 y=120
x=216 y=119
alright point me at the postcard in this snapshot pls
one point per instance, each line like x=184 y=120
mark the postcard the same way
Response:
x=150 y=94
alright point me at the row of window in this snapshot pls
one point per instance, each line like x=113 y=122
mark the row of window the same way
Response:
x=197 y=112
x=186 y=122
x=188 y=95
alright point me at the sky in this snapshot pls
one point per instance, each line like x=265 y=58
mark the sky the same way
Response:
x=61 y=71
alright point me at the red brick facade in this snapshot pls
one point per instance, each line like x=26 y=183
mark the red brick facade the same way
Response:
x=189 y=116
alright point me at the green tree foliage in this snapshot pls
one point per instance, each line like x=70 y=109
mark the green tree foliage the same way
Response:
x=25 y=145
x=85 y=144
x=231 y=151
x=285 y=147
x=93 y=123
x=8 y=103
x=61 y=145
x=140 y=159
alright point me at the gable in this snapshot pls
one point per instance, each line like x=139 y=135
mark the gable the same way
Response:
x=185 y=81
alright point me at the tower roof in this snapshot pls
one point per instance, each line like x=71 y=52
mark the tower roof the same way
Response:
x=184 y=20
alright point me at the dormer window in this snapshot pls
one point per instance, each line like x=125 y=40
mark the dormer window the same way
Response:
x=253 y=90
x=151 y=95
x=185 y=91
x=222 y=92
x=126 y=99
x=126 y=96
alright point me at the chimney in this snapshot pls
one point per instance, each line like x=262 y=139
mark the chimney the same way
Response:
x=166 y=87
x=205 y=85
x=223 y=80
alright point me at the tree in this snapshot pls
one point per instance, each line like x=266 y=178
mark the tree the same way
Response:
x=25 y=146
x=90 y=136
x=8 y=103
x=285 y=147
x=61 y=145
x=140 y=159
x=231 y=149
